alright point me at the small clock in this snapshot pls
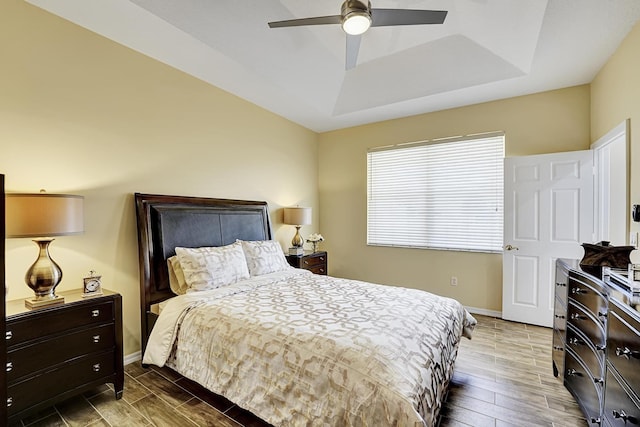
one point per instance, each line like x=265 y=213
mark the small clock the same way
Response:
x=92 y=285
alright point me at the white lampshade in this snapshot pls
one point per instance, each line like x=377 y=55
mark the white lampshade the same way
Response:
x=43 y=214
x=297 y=216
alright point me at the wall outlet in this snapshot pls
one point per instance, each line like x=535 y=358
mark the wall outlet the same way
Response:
x=454 y=281
x=633 y=239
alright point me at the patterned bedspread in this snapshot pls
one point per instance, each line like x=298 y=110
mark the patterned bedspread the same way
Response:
x=299 y=349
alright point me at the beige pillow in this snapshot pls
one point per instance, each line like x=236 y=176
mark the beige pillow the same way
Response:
x=176 y=276
x=264 y=256
x=212 y=267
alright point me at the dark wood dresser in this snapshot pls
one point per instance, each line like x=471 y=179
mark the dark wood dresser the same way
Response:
x=622 y=389
x=598 y=352
x=316 y=262
x=56 y=352
x=560 y=317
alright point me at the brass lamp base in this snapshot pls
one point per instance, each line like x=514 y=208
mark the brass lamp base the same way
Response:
x=297 y=240
x=43 y=277
x=44 y=302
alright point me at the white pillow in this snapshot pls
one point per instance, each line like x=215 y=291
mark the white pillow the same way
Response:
x=176 y=276
x=264 y=256
x=212 y=267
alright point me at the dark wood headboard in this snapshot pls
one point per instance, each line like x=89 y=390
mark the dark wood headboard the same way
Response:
x=165 y=222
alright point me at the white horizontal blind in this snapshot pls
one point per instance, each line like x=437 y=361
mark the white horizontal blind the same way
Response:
x=446 y=195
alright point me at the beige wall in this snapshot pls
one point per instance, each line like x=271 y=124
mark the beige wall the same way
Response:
x=615 y=96
x=541 y=123
x=81 y=114
x=84 y=115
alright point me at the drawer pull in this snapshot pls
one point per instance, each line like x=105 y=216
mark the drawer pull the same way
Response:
x=321 y=258
x=578 y=291
x=626 y=353
x=9 y=366
x=601 y=347
x=561 y=284
x=602 y=314
x=559 y=348
x=306 y=262
x=95 y=313
x=573 y=373
x=96 y=367
x=9 y=401
x=598 y=380
x=96 y=338
x=9 y=335
x=559 y=316
x=575 y=341
x=577 y=316
x=321 y=270
x=620 y=414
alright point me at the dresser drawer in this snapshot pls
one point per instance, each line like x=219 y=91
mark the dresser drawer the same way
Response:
x=22 y=360
x=559 y=316
x=49 y=322
x=317 y=269
x=558 y=353
x=623 y=347
x=310 y=261
x=562 y=281
x=582 y=319
x=56 y=381
x=589 y=293
x=593 y=359
x=580 y=383
x=620 y=409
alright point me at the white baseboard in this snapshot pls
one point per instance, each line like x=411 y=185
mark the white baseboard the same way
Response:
x=133 y=357
x=484 y=312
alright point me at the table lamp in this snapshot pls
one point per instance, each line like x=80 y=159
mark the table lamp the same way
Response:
x=297 y=216
x=42 y=216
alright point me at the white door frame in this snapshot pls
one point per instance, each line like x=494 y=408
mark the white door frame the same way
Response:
x=611 y=192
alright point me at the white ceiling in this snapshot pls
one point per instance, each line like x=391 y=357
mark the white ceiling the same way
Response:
x=485 y=50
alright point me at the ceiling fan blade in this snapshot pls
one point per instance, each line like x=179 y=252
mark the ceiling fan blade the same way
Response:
x=353 y=46
x=385 y=17
x=317 y=20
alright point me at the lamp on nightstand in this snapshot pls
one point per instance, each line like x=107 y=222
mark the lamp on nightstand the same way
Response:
x=297 y=216
x=42 y=216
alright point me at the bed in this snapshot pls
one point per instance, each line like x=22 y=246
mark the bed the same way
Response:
x=292 y=347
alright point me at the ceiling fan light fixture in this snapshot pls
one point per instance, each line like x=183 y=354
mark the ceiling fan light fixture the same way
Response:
x=356 y=16
x=356 y=23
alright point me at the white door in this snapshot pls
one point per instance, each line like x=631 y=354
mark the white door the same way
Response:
x=548 y=214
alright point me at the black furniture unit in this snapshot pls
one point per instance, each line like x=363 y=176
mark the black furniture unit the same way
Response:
x=56 y=352
x=560 y=316
x=316 y=262
x=622 y=390
x=584 y=371
x=3 y=348
x=598 y=352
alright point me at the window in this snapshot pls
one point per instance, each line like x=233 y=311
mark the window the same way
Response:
x=437 y=194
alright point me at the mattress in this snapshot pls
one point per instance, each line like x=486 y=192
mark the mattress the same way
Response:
x=299 y=349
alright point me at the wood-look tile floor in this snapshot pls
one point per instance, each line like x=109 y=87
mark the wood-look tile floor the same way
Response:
x=503 y=377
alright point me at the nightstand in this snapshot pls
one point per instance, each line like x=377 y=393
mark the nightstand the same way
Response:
x=59 y=351
x=316 y=262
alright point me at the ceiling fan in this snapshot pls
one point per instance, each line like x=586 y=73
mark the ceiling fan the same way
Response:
x=356 y=17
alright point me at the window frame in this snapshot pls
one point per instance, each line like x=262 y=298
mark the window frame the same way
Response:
x=414 y=228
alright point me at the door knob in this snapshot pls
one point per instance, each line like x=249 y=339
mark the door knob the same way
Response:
x=511 y=248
